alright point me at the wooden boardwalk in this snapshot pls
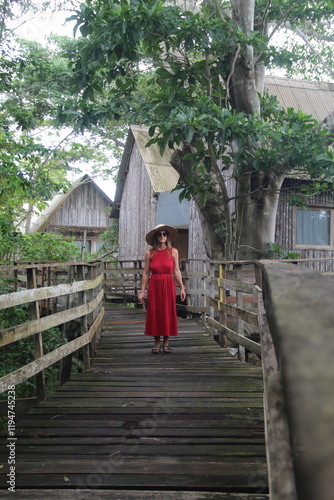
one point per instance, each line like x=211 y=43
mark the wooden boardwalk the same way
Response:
x=181 y=426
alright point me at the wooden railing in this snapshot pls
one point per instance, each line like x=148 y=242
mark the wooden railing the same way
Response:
x=276 y=313
x=69 y=296
x=123 y=281
x=282 y=316
x=297 y=330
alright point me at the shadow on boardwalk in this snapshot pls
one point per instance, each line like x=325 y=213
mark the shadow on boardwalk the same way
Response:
x=186 y=425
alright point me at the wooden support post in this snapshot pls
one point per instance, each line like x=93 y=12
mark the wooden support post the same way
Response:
x=135 y=277
x=84 y=320
x=123 y=285
x=222 y=315
x=278 y=441
x=205 y=278
x=93 y=272
x=187 y=286
x=54 y=282
x=83 y=248
x=212 y=294
x=15 y=277
x=66 y=362
x=37 y=338
x=240 y=323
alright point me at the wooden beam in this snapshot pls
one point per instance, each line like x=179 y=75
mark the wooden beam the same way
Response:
x=49 y=359
x=234 y=311
x=279 y=459
x=235 y=337
x=48 y=292
x=39 y=325
x=37 y=338
x=300 y=313
x=239 y=286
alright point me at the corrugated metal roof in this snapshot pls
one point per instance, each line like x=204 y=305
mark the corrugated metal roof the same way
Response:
x=313 y=98
x=161 y=173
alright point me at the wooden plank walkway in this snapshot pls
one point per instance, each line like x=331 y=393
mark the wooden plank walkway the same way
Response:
x=181 y=426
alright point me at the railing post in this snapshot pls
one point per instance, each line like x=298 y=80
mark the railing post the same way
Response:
x=212 y=289
x=37 y=338
x=94 y=272
x=123 y=283
x=84 y=320
x=205 y=287
x=187 y=286
x=222 y=315
x=240 y=304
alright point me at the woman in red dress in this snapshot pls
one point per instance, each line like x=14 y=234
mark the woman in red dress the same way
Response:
x=161 y=267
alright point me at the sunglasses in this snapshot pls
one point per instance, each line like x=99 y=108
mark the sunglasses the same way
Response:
x=161 y=233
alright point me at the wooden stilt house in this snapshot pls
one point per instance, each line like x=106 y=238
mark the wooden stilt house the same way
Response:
x=82 y=212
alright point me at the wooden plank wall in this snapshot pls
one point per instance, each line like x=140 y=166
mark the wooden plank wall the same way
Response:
x=285 y=226
x=138 y=213
x=85 y=207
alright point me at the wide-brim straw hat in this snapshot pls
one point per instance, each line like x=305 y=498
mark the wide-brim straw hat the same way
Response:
x=172 y=233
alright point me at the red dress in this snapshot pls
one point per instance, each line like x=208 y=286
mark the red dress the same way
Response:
x=161 y=316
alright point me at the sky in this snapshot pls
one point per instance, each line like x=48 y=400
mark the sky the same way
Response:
x=43 y=24
x=38 y=28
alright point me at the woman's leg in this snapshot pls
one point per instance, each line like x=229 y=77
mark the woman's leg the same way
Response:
x=156 y=348
x=166 y=348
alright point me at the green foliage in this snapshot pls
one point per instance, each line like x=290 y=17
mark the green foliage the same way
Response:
x=190 y=77
x=308 y=190
x=110 y=244
x=37 y=247
x=276 y=251
x=48 y=248
x=20 y=353
x=11 y=316
x=34 y=81
x=186 y=56
x=303 y=45
x=277 y=142
x=14 y=356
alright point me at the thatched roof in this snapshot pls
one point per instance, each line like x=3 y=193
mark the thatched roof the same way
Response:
x=162 y=179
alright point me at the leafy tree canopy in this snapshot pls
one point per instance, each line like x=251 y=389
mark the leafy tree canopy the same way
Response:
x=194 y=73
x=37 y=152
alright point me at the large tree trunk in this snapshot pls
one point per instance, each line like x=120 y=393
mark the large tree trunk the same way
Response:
x=213 y=211
x=256 y=207
x=256 y=194
x=242 y=88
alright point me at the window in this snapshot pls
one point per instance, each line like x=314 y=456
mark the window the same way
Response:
x=314 y=227
x=80 y=245
x=98 y=245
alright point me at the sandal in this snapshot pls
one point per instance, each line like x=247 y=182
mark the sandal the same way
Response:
x=166 y=349
x=155 y=350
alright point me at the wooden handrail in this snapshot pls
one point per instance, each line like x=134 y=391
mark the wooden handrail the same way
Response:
x=47 y=292
x=51 y=358
x=299 y=311
x=89 y=294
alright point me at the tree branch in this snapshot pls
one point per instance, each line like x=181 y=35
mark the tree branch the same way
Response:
x=319 y=36
x=302 y=35
x=231 y=74
x=280 y=23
